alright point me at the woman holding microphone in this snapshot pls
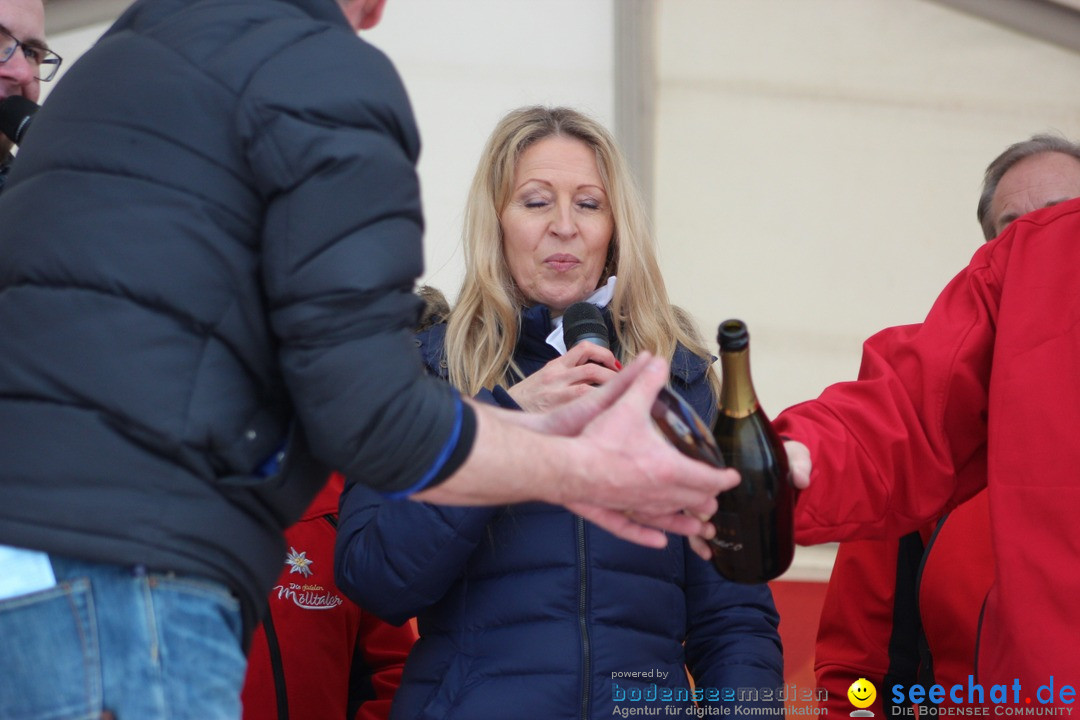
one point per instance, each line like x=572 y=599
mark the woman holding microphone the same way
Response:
x=528 y=611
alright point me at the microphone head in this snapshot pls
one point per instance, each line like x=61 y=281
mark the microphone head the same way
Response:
x=583 y=322
x=15 y=114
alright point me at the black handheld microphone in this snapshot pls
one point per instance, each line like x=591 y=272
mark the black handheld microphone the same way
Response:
x=680 y=424
x=583 y=322
x=16 y=112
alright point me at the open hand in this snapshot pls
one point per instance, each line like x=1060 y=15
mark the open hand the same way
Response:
x=633 y=482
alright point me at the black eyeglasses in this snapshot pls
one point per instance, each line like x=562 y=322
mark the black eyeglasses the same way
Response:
x=45 y=60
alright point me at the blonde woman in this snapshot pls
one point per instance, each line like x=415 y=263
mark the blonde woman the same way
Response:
x=528 y=611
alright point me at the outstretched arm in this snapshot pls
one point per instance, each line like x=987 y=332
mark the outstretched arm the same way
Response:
x=891 y=450
x=599 y=456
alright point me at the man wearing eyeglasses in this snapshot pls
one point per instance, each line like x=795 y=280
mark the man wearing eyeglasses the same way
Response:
x=25 y=60
x=207 y=257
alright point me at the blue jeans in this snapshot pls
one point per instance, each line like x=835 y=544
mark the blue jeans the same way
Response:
x=110 y=639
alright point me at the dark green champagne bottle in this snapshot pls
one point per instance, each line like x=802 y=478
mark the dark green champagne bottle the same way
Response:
x=755 y=534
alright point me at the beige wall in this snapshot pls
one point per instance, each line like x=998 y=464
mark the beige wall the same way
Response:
x=819 y=162
x=465 y=64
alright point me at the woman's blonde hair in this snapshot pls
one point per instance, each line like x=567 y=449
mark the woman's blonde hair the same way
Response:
x=483 y=326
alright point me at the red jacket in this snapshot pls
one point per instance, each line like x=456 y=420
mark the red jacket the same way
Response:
x=317 y=651
x=906 y=611
x=986 y=392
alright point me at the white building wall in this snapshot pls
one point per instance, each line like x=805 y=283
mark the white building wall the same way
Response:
x=465 y=65
x=819 y=164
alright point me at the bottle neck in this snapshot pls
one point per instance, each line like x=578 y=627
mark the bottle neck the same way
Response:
x=737 y=396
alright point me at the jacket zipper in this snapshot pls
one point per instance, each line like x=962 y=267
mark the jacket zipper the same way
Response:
x=277 y=668
x=583 y=587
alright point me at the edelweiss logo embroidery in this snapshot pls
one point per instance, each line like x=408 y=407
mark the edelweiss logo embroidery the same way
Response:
x=299 y=562
x=310 y=596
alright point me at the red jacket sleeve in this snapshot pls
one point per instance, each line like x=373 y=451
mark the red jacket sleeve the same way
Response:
x=890 y=450
x=928 y=424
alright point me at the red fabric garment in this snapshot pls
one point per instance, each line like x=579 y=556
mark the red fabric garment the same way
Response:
x=332 y=653
x=883 y=595
x=956 y=578
x=989 y=380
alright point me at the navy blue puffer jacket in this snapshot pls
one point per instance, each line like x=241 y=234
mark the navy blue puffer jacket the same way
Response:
x=529 y=612
x=209 y=245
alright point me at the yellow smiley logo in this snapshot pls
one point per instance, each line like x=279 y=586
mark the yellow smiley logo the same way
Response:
x=862 y=693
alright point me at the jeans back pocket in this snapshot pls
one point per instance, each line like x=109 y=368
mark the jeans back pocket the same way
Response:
x=49 y=656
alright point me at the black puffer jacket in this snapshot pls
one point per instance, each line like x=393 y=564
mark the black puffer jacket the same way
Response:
x=209 y=245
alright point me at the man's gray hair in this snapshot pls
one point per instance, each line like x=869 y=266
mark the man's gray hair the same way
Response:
x=1038 y=144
